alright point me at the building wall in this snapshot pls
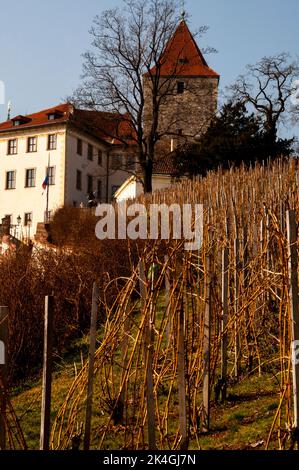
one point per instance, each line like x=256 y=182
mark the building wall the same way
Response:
x=134 y=188
x=188 y=113
x=74 y=162
x=120 y=173
x=112 y=173
x=23 y=200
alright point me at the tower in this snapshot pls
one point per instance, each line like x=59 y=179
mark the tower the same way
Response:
x=189 y=90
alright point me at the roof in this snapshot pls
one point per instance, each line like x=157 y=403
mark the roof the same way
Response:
x=182 y=56
x=112 y=128
x=164 y=166
x=38 y=119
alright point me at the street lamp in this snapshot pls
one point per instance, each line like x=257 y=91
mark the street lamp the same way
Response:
x=29 y=223
x=19 y=220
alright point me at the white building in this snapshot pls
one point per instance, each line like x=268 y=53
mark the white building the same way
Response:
x=74 y=147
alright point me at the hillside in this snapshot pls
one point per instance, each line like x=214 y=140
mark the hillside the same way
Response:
x=193 y=346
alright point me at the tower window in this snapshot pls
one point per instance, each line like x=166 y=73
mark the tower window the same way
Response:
x=180 y=87
x=183 y=60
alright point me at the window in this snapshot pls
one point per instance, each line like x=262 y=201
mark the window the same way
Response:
x=130 y=163
x=8 y=217
x=79 y=146
x=30 y=178
x=180 y=87
x=89 y=184
x=52 y=142
x=79 y=180
x=27 y=218
x=100 y=157
x=183 y=60
x=54 y=114
x=51 y=175
x=10 y=180
x=32 y=144
x=116 y=162
x=114 y=189
x=99 y=191
x=17 y=121
x=12 y=147
x=90 y=152
x=47 y=216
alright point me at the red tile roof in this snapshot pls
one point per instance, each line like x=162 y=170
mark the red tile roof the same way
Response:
x=164 y=166
x=112 y=128
x=38 y=119
x=182 y=57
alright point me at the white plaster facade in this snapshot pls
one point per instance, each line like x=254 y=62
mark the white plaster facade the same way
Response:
x=21 y=200
x=132 y=188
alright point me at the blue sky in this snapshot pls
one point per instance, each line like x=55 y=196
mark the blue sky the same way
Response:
x=41 y=42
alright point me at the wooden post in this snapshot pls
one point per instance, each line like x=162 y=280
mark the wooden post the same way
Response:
x=148 y=359
x=47 y=374
x=167 y=299
x=182 y=379
x=142 y=285
x=294 y=300
x=245 y=285
x=91 y=354
x=3 y=373
x=236 y=305
x=224 y=338
x=206 y=349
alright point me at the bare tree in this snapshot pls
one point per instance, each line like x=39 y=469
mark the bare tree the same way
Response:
x=267 y=87
x=127 y=46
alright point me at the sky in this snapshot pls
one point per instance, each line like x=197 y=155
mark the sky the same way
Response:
x=42 y=42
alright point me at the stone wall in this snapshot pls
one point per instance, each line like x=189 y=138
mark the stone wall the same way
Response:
x=183 y=116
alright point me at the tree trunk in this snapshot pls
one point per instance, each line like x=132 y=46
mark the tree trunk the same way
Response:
x=147 y=176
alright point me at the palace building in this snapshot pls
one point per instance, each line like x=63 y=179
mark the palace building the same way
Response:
x=59 y=156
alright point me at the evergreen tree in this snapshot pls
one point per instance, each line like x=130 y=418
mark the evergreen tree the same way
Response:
x=234 y=136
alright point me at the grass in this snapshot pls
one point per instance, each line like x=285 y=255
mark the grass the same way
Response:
x=243 y=422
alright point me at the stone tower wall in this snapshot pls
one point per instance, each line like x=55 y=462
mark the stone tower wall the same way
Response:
x=183 y=116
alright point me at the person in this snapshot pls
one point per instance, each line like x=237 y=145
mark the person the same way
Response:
x=91 y=200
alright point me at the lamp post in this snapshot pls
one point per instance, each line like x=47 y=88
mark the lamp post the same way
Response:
x=29 y=223
x=19 y=229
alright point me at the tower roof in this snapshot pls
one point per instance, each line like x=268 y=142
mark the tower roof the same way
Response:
x=182 y=56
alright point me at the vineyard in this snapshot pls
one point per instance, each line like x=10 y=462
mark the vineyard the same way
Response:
x=185 y=326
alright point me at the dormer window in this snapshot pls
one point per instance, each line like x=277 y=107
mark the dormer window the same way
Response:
x=19 y=120
x=54 y=114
